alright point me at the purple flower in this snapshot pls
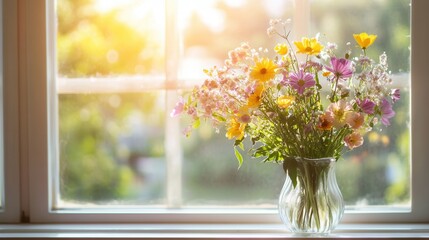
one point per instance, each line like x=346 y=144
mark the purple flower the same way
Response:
x=366 y=105
x=341 y=68
x=395 y=94
x=178 y=109
x=301 y=80
x=386 y=112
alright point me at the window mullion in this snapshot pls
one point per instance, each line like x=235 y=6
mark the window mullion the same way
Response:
x=172 y=125
x=53 y=137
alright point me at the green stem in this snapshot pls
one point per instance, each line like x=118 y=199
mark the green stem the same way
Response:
x=334 y=92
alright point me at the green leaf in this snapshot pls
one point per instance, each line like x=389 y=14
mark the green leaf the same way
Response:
x=261 y=151
x=273 y=157
x=218 y=117
x=239 y=157
x=254 y=140
x=196 y=123
x=239 y=143
x=290 y=168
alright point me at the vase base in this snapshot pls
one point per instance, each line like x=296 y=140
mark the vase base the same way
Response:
x=310 y=234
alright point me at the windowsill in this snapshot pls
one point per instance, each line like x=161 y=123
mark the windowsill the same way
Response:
x=203 y=231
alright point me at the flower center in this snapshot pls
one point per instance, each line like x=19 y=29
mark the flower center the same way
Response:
x=263 y=70
x=301 y=82
x=308 y=49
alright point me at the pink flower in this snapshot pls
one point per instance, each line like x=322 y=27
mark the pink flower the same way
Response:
x=338 y=112
x=354 y=120
x=187 y=131
x=178 y=109
x=395 y=94
x=353 y=140
x=341 y=68
x=366 y=105
x=386 y=112
x=301 y=80
x=237 y=55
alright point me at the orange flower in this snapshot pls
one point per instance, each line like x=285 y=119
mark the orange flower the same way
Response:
x=235 y=129
x=255 y=97
x=325 y=74
x=326 y=122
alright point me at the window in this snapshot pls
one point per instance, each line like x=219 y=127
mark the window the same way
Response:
x=63 y=98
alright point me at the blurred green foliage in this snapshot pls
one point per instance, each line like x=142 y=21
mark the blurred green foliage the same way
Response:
x=98 y=146
x=91 y=43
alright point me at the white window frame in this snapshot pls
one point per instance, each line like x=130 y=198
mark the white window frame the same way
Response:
x=26 y=129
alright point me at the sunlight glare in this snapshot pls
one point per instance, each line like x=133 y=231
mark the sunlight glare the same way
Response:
x=206 y=10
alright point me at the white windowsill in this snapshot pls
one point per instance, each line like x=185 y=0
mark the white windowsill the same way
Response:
x=202 y=231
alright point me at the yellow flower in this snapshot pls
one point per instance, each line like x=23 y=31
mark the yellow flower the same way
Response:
x=255 y=97
x=235 y=129
x=264 y=70
x=364 y=40
x=281 y=49
x=309 y=46
x=285 y=101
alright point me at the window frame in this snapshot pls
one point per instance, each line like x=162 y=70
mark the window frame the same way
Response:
x=27 y=115
x=10 y=211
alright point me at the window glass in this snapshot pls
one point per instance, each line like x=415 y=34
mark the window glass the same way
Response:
x=379 y=172
x=112 y=116
x=210 y=170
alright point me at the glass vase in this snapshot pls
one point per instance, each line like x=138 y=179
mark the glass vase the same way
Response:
x=315 y=205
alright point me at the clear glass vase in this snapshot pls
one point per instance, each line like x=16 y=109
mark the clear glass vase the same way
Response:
x=315 y=205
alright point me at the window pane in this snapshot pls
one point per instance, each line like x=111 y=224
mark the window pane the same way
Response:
x=210 y=30
x=111 y=113
x=108 y=37
x=112 y=148
x=379 y=172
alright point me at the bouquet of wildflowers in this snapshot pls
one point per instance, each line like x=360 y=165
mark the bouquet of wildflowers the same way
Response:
x=307 y=101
